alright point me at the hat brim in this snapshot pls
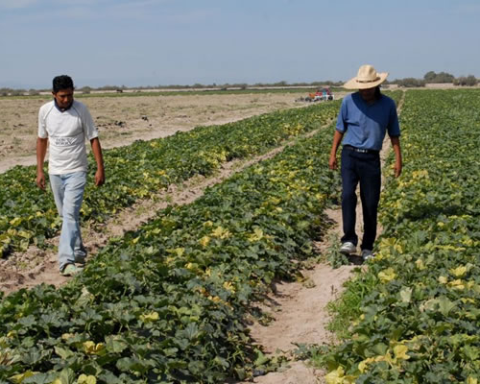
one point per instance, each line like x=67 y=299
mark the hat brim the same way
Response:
x=354 y=84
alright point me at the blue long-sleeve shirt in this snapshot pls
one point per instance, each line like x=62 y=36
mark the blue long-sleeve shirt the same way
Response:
x=364 y=124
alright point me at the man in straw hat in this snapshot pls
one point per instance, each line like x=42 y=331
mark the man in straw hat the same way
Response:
x=364 y=119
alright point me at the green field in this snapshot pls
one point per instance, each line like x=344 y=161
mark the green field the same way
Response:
x=167 y=303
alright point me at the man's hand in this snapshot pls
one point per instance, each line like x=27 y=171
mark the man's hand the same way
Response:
x=41 y=151
x=337 y=139
x=97 y=154
x=41 y=180
x=333 y=162
x=99 y=177
x=397 y=168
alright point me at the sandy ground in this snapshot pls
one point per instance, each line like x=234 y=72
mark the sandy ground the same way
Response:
x=122 y=120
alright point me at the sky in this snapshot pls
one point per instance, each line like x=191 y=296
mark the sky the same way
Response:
x=165 y=42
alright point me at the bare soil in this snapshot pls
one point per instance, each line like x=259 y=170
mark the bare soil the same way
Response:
x=122 y=120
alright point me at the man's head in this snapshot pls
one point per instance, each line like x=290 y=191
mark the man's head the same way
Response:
x=370 y=94
x=63 y=91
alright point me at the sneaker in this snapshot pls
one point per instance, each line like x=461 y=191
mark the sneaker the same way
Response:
x=367 y=254
x=80 y=260
x=70 y=270
x=348 y=248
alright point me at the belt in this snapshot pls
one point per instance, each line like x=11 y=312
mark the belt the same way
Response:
x=359 y=150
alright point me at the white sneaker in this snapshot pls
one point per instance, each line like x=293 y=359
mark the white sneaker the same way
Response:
x=367 y=254
x=348 y=248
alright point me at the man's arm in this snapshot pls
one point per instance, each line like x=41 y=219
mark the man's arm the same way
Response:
x=398 y=155
x=97 y=154
x=337 y=139
x=41 y=152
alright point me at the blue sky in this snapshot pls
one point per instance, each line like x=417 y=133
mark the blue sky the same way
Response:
x=152 y=42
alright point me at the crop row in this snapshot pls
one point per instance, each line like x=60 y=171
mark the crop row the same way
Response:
x=419 y=318
x=28 y=215
x=166 y=303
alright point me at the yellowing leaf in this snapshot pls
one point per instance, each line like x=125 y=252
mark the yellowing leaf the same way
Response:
x=419 y=264
x=400 y=352
x=338 y=377
x=362 y=366
x=387 y=275
x=177 y=251
x=11 y=334
x=149 y=317
x=442 y=280
x=335 y=377
x=88 y=347
x=204 y=241
x=466 y=300
x=229 y=286
x=256 y=235
x=458 y=285
x=100 y=348
x=67 y=336
x=16 y=222
x=84 y=379
x=215 y=299
x=459 y=271
x=17 y=379
x=221 y=233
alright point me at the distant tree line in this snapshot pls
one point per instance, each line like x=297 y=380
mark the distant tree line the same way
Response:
x=439 y=78
x=430 y=77
x=120 y=88
x=436 y=78
x=409 y=82
x=466 y=81
x=18 y=92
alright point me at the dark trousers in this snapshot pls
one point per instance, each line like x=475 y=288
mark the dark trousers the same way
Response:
x=363 y=168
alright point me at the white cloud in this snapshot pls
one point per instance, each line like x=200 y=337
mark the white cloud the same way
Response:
x=15 y=4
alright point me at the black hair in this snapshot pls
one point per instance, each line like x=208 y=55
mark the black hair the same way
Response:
x=378 y=94
x=62 y=82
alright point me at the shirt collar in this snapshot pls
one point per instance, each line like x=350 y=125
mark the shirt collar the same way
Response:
x=62 y=109
x=375 y=101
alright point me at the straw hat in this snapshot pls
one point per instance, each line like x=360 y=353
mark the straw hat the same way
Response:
x=367 y=77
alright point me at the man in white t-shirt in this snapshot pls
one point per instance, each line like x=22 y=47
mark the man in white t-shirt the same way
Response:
x=64 y=124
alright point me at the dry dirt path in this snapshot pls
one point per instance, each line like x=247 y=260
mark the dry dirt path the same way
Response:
x=299 y=310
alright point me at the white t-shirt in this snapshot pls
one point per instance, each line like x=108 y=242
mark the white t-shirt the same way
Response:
x=66 y=132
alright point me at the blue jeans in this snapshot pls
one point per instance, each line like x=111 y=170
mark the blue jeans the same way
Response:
x=68 y=194
x=363 y=168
